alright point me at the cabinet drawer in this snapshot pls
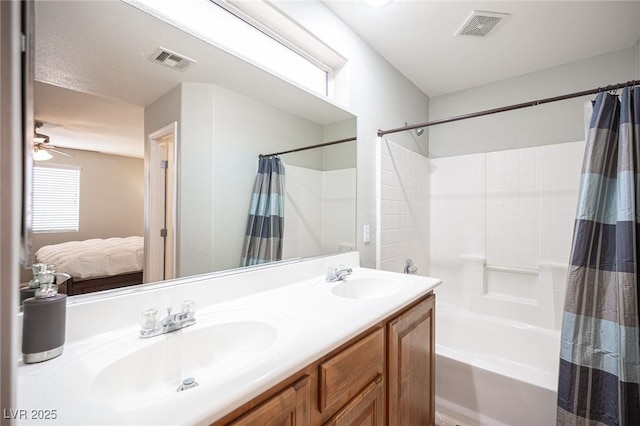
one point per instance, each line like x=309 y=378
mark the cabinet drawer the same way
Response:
x=347 y=373
x=367 y=408
x=290 y=407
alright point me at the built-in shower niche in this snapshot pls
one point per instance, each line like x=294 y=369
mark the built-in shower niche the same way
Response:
x=533 y=296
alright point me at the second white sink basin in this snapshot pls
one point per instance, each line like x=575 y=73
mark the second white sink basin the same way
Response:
x=368 y=287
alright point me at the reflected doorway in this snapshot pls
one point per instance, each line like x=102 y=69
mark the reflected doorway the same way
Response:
x=161 y=178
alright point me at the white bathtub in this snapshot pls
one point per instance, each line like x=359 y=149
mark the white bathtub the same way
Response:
x=492 y=371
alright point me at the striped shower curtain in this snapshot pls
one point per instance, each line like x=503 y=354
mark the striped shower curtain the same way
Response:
x=263 y=237
x=600 y=349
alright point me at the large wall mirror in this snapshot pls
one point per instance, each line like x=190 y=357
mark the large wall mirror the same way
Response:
x=107 y=110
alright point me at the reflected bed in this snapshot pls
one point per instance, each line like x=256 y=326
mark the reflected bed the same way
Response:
x=96 y=264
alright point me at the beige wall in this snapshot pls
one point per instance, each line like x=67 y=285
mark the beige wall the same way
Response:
x=111 y=198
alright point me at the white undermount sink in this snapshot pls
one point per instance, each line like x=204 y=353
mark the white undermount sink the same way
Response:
x=368 y=287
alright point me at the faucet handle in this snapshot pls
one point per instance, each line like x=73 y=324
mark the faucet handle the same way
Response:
x=188 y=307
x=148 y=320
x=343 y=272
x=331 y=273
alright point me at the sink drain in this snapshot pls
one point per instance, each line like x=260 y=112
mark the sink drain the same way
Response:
x=187 y=383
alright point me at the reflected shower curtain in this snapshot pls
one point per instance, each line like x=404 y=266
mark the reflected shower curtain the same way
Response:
x=263 y=237
x=600 y=349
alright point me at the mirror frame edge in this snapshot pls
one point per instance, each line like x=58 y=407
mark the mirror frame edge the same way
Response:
x=28 y=117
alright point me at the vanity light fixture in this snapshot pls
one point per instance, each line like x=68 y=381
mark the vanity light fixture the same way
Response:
x=216 y=25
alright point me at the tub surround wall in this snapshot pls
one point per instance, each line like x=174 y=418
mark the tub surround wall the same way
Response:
x=338 y=210
x=501 y=220
x=501 y=229
x=319 y=210
x=302 y=209
x=404 y=208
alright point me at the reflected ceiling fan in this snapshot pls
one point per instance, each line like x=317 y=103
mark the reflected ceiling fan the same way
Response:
x=41 y=145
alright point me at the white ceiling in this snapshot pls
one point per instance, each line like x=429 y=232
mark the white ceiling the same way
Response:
x=418 y=37
x=93 y=57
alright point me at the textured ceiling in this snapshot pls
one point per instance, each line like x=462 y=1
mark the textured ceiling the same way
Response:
x=418 y=37
x=99 y=50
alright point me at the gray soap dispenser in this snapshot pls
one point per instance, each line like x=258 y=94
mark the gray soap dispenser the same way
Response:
x=43 y=323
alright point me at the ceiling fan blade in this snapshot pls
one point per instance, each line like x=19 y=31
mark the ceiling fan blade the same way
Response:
x=58 y=151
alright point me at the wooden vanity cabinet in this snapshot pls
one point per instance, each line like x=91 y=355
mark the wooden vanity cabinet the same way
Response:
x=366 y=408
x=344 y=375
x=385 y=376
x=411 y=366
x=289 y=407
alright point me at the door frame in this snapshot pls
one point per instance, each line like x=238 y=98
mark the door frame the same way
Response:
x=153 y=140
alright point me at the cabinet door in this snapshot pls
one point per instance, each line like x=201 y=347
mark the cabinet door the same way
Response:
x=290 y=407
x=365 y=409
x=411 y=372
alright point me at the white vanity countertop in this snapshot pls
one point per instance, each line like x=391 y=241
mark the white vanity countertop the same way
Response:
x=88 y=385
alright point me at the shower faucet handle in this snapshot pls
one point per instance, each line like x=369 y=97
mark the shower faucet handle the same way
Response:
x=409 y=268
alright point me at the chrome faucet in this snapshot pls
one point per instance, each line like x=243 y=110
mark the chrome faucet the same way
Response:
x=409 y=268
x=152 y=327
x=337 y=274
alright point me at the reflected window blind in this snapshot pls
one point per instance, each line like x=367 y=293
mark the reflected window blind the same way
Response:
x=56 y=198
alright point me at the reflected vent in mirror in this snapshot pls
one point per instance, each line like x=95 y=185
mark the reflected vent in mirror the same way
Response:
x=171 y=59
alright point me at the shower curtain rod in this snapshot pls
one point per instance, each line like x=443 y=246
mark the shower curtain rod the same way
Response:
x=510 y=107
x=320 y=145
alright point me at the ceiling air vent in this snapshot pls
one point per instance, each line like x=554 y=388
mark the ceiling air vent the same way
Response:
x=480 y=23
x=171 y=59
